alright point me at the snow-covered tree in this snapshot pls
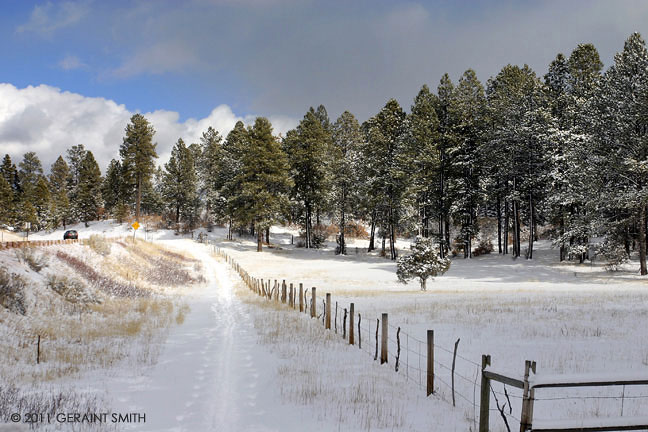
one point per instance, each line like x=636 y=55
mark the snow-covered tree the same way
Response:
x=423 y=263
x=469 y=110
x=621 y=124
x=424 y=159
x=347 y=139
x=308 y=149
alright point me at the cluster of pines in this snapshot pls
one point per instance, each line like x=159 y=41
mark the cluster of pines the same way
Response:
x=567 y=152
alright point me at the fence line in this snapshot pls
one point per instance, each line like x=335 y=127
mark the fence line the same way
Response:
x=378 y=341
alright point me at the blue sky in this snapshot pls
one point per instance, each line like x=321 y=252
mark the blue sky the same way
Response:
x=183 y=59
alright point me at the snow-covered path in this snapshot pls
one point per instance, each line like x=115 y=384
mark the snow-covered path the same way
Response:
x=211 y=375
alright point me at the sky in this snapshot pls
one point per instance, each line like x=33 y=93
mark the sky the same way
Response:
x=73 y=72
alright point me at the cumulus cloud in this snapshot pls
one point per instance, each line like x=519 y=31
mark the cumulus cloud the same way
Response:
x=50 y=17
x=48 y=121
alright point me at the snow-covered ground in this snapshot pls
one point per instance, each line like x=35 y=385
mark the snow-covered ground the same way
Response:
x=569 y=318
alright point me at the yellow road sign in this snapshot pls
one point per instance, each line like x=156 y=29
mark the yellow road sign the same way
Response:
x=135 y=225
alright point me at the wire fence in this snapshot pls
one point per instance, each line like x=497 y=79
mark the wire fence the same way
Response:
x=456 y=378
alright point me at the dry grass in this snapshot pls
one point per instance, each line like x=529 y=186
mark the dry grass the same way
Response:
x=82 y=323
x=352 y=390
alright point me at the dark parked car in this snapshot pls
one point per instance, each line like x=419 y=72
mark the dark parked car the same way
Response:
x=70 y=235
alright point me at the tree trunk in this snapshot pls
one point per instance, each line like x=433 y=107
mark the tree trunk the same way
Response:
x=177 y=218
x=531 y=228
x=423 y=283
x=392 y=236
x=139 y=198
x=499 y=223
x=229 y=230
x=372 y=235
x=441 y=238
x=507 y=221
x=562 y=234
x=267 y=235
x=642 y=240
x=447 y=232
x=259 y=240
x=342 y=229
x=308 y=226
x=383 y=244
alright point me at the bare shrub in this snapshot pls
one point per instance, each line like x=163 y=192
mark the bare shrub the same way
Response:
x=104 y=283
x=12 y=292
x=27 y=255
x=72 y=290
x=484 y=247
x=356 y=230
x=99 y=245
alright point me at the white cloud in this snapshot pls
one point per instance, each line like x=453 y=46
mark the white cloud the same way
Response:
x=48 y=121
x=71 y=62
x=50 y=17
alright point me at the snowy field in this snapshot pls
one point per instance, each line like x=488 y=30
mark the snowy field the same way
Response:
x=241 y=363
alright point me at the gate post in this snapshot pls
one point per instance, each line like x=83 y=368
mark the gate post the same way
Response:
x=484 y=402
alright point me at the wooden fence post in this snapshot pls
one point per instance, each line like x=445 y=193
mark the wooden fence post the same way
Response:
x=283 y=292
x=291 y=297
x=351 y=325
x=301 y=297
x=313 y=304
x=397 y=349
x=335 y=320
x=377 y=324
x=454 y=360
x=526 y=418
x=383 y=340
x=328 y=311
x=484 y=400
x=359 y=332
x=430 y=362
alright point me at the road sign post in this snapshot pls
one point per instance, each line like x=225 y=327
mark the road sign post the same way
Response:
x=135 y=226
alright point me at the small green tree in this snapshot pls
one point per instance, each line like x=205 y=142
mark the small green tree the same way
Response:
x=424 y=262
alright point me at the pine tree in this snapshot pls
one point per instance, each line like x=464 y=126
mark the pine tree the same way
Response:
x=423 y=263
x=210 y=173
x=263 y=180
x=230 y=170
x=9 y=173
x=138 y=157
x=469 y=110
x=446 y=94
x=59 y=179
x=88 y=193
x=307 y=148
x=347 y=141
x=152 y=199
x=112 y=186
x=518 y=141
x=384 y=160
x=180 y=182
x=570 y=86
x=622 y=143
x=423 y=158
x=75 y=156
x=6 y=198
x=30 y=171
x=41 y=200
